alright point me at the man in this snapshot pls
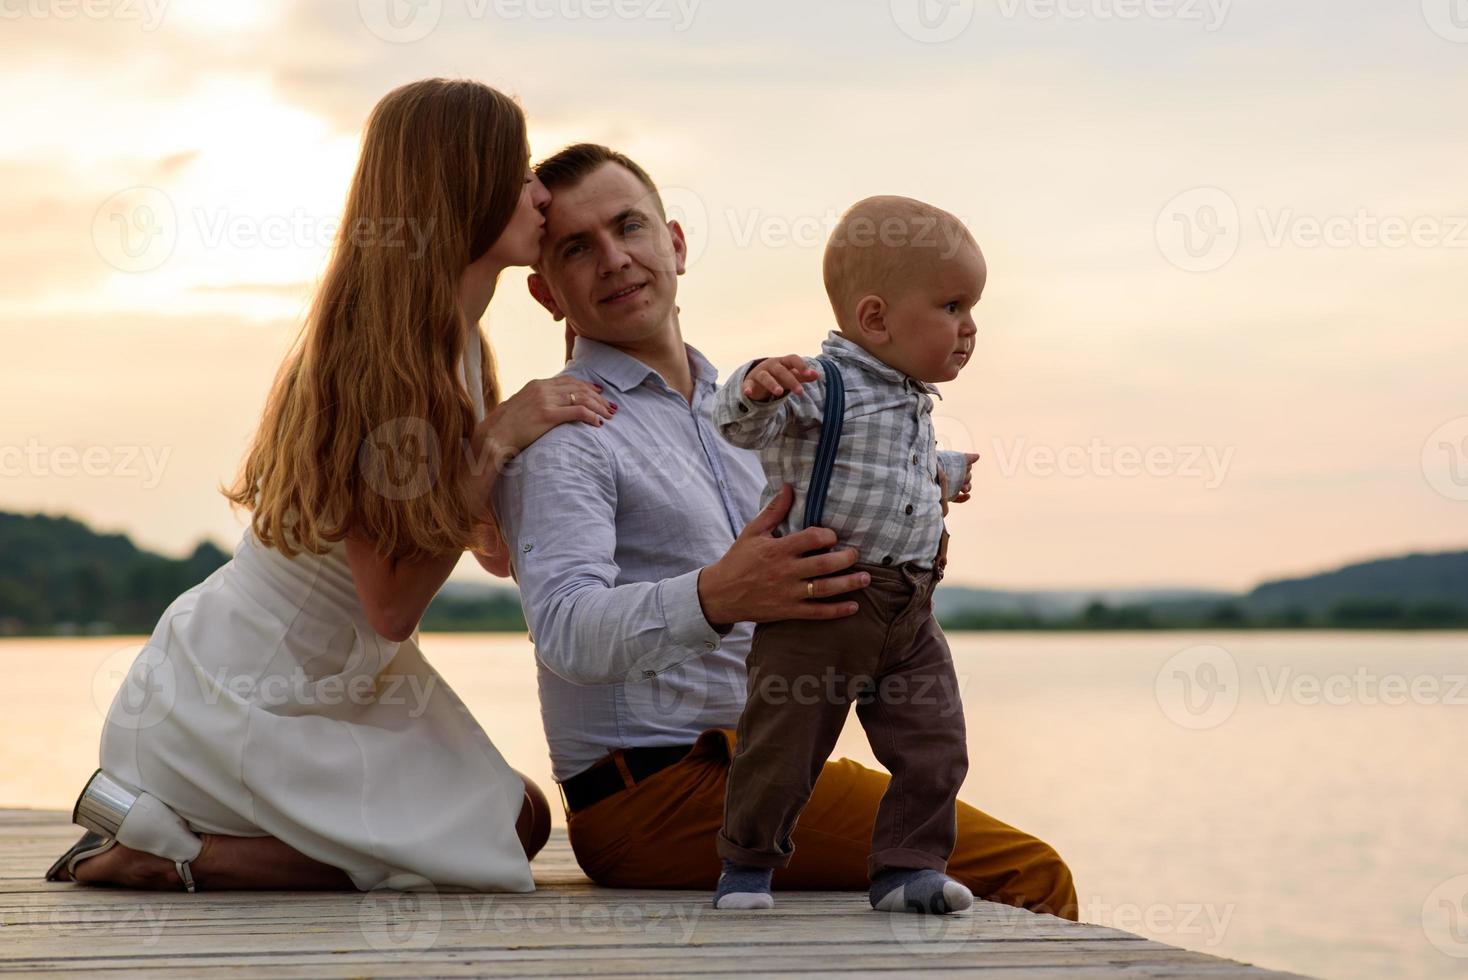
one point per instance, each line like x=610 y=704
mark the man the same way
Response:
x=642 y=569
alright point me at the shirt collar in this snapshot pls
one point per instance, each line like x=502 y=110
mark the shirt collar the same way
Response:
x=838 y=346
x=625 y=372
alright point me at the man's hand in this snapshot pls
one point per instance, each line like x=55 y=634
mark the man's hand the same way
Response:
x=774 y=376
x=764 y=579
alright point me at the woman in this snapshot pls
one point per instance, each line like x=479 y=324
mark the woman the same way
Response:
x=281 y=729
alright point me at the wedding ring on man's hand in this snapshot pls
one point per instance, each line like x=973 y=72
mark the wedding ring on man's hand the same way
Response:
x=573 y=398
x=810 y=588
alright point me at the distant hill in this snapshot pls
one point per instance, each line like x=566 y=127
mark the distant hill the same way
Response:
x=59 y=576
x=1411 y=579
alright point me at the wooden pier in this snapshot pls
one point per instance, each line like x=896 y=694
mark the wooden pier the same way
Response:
x=568 y=927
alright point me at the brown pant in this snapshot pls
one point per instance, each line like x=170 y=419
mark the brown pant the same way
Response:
x=660 y=833
x=892 y=660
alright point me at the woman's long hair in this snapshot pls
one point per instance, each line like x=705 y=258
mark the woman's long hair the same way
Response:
x=364 y=430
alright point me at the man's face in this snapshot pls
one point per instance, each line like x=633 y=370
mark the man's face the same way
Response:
x=609 y=263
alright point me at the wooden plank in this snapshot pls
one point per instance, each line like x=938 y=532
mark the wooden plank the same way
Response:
x=568 y=926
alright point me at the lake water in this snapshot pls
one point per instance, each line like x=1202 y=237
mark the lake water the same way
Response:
x=1294 y=800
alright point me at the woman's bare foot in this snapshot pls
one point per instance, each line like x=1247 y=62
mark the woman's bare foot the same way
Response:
x=534 y=825
x=122 y=866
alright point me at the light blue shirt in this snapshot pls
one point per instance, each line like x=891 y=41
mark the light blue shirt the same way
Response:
x=608 y=527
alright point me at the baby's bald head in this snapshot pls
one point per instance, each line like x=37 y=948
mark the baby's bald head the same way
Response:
x=883 y=245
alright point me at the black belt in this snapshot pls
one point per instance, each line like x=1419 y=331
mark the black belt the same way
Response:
x=605 y=778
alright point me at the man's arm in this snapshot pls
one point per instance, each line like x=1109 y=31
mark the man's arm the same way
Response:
x=753 y=422
x=557 y=508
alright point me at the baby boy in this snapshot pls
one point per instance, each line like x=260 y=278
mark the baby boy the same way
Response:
x=903 y=278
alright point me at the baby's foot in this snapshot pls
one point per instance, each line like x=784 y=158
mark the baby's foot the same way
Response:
x=909 y=890
x=744 y=887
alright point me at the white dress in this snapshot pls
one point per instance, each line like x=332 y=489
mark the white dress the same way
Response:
x=264 y=704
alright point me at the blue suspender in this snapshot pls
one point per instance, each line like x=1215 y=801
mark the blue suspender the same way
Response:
x=835 y=410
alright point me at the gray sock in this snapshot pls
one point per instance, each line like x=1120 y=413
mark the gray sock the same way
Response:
x=744 y=887
x=909 y=890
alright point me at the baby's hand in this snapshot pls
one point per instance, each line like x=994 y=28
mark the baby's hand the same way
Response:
x=774 y=376
x=968 y=482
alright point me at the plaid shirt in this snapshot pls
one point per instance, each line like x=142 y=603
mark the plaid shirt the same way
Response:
x=884 y=498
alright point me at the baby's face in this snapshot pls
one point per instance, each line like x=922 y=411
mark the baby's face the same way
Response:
x=930 y=324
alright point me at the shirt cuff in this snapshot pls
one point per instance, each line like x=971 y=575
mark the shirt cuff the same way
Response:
x=748 y=408
x=954 y=465
x=684 y=615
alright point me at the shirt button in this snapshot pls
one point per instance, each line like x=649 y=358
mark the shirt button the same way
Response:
x=909 y=508
x=526 y=548
x=708 y=646
x=914 y=459
x=649 y=673
x=887 y=560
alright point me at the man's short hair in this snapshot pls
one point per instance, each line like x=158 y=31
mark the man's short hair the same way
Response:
x=571 y=166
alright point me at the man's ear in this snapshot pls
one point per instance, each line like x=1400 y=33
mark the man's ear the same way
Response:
x=542 y=294
x=680 y=245
x=871 y=318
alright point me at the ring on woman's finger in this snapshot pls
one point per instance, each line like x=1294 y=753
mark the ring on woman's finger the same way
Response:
x=810 y=588
x=573 y=397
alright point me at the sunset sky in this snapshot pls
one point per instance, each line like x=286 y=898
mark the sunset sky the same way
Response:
x=1224 y=335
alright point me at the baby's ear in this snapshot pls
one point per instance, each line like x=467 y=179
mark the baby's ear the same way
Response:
x=871 y=315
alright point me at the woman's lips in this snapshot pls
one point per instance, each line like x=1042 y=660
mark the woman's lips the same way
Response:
x=623 y=295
